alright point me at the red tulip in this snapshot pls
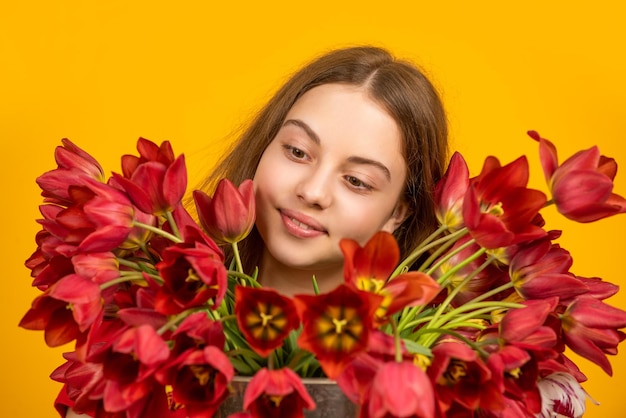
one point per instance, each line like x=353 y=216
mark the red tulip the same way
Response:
x=540 y=270
x=155 y=181
x=400 y=390
x=277 y=393
x=67 y=309
x=193 y=272
x=499 y=209
x=264 y=317
x=460 y=377
x=592 y=329
x=74 y=165
x=148 y=151
x=130 y=365
x=201 y=379
x=449 y=193
x=336 y=325
x=229 y=215
x=581 y=187
x=368 y=268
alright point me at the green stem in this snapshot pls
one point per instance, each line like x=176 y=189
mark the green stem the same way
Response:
x=172 y=222
x=459 y=266
x=396 y=340
x=158 y=231
x=457 y=289
x=237 y=257
x=122 y=279
x=426 y=245
x=132 y=264
x=251 y=280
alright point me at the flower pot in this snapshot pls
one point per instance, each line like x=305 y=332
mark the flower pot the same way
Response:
x=330 y=401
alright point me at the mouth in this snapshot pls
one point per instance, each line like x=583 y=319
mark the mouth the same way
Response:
x=301 y=225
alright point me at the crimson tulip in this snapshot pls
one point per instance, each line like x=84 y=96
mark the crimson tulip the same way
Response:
x=460 y=377
x=148 y=151
x=65 y=310
x=540 y=270
x=193 y=272
x=130 y=366
x=229 y=215
x=450 y=192
x=400 y=389
x=582 y=186
x=264 y=317
x=369 y=268
x=74 y=166
x=155 y=181
x=591 y=329
x=336 y=325
x=200 y=381
x=277 y=393
x=498 y=209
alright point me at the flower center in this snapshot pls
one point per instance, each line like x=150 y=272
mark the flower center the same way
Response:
x=455 y=372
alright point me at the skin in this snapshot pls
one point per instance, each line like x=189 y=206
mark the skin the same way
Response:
x=335 y=170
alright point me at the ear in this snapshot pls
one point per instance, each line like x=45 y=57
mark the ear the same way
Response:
x=400 y=213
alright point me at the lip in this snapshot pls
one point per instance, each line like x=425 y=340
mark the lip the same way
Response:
x=301 y=225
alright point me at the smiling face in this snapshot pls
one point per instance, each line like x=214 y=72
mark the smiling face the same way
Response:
x=334 y=170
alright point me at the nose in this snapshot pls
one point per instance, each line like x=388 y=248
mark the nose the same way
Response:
x=315 y=189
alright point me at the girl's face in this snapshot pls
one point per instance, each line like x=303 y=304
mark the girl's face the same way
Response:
x=334 y=170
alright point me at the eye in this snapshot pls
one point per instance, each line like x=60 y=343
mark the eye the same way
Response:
x=295 y=153
x=357 y=183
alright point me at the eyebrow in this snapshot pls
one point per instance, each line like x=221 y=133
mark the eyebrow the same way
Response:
x=353 y=159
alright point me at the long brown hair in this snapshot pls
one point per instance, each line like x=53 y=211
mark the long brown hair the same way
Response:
x=398 y=86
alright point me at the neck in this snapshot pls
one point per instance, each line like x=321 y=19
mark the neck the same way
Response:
x=291 y=281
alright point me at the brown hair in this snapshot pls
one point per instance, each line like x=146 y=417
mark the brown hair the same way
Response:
x=400 y=88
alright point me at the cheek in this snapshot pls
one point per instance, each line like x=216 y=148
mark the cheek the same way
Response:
x=360 y=220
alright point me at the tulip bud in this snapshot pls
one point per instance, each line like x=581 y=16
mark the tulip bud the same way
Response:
x=229 y=215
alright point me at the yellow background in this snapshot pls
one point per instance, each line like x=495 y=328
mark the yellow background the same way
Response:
x=104 y=73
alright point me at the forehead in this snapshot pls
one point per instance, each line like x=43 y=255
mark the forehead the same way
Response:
x=346 y=114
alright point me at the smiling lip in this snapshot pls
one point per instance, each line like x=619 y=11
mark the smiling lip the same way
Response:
x=300 y=225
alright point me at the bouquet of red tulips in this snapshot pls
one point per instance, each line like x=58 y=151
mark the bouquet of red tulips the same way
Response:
x=475 y=322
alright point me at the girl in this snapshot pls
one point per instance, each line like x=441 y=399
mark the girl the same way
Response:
x=353 y=143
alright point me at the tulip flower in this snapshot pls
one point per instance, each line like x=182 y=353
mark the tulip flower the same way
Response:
x=154 y=187
x=277 y=393
x=74 y=165
x=400 y=389
x=581 y=187
x=591 y=329
x=449 y=193
x=130 y=365
x=148 y=151
x=264 y=317
x=229 y=215
x=193 y=272
x=65 y=310
x=369 y=268
x=499 y=209
x=336 y=325
x=460 y=377
x=540 y=270
x=562 y=396
x=200 y=381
